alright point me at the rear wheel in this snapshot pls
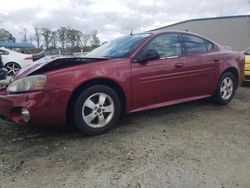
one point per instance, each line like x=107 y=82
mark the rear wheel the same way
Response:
x=12 y=68
x=225 y=89
x=97 y=110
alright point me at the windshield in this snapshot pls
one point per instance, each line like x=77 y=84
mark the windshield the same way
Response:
x=119 y=48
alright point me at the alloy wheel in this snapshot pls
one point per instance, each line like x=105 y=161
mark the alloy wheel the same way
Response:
x=98 y=110
x=226 y=88
x=12 y=68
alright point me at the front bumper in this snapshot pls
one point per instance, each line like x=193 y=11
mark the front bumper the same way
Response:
x=45 y=108
x=4 y=120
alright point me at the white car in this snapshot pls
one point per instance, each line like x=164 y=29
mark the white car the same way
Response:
x=14 y=61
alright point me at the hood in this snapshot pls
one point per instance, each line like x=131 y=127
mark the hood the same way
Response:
x=53 y=63
x=33 y=67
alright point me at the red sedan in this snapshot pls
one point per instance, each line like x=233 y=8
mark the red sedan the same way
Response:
x=129 y=74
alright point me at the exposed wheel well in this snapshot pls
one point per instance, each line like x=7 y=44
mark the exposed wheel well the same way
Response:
x=99 y=81
x=234 y=72
x=12 y=62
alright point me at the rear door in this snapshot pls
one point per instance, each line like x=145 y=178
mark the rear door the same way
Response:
x=202 y=66
x=160 y=80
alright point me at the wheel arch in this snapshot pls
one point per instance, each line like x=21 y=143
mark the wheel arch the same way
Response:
x=12 y=62
x=97 y=81
x=234 y=71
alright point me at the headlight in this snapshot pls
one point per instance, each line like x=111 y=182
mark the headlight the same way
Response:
x=28 y=84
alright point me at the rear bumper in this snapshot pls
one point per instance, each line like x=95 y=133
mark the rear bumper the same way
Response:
x=45 y=108
x=247 y=75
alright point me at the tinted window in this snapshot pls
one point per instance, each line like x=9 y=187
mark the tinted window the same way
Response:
x=247 y=51
x=167 y=45
x=2 y=52
x=194 y=45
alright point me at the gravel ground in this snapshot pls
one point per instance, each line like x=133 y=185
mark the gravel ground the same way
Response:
x=196 y=144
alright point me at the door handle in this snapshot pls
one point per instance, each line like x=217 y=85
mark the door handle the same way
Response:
x=179 y=65
x=216 y=59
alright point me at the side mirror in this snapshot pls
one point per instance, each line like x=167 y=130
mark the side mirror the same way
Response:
x=150 y=54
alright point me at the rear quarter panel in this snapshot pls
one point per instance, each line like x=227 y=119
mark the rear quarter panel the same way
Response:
x=234 y=60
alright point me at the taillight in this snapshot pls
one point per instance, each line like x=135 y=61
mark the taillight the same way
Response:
x=28 y=58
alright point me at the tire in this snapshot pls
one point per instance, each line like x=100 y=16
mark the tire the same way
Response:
x=226 y=88
x=97 y=110
x=12 y=68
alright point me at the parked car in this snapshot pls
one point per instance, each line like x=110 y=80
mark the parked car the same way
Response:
x=1 y=62
x=14 y=61
x=129 y=74
x=247 y=65
x=55 y=52
x=3 y=73
x=38 y=56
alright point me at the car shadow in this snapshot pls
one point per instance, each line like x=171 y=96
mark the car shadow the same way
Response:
x=246 y=84
x=126 y=124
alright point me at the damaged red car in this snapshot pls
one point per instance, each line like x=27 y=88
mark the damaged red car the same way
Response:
x=132 y=73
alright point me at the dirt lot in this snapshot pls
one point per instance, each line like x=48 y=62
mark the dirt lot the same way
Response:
x=196 y=144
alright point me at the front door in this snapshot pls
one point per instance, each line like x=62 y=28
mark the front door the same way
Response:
x=159 y=80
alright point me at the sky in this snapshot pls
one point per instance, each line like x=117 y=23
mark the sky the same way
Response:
x=111 y=18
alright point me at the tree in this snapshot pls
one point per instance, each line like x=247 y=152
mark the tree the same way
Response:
x=95 y=41
x=47 y=36
x=71 y=37
x=61 y=33
x=54 y=38
x=37 y=36
x=6 y=36
x=24 y=33
x=78 y=36
x=30 y=39
x=85 y=39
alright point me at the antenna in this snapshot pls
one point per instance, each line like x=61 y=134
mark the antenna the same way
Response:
x=131 y=33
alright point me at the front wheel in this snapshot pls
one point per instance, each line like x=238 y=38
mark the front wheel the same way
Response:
x=225 y=89
x=97 y=110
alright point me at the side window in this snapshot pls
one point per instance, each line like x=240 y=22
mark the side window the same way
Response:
x=248 y=51
x=167 y=45
x=2 y=52
x=194 y=45
x=209 y=45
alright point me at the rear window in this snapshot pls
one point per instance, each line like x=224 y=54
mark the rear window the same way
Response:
x=194 y=45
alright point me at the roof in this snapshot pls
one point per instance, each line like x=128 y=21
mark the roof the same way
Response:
x=204 y=19
x=16 y=45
